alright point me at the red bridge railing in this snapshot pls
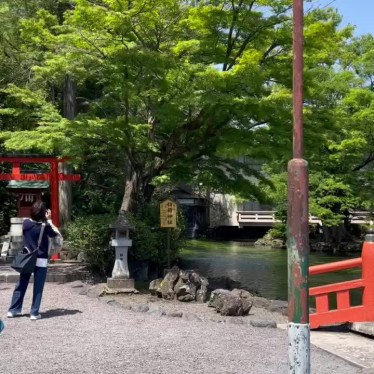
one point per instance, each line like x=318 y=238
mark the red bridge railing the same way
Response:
x=344 y=312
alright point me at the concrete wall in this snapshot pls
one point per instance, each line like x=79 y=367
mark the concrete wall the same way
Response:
x=223 y=210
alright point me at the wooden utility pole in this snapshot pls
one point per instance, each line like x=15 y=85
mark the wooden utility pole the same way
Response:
x=298 y=230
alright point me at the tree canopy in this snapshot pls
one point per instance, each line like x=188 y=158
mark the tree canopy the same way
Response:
x=174 y=91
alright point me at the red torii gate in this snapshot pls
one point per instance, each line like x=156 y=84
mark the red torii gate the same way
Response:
x=54 y=177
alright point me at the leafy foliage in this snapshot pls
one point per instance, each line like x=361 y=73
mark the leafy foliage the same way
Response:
x=173 y=91
x=91 y=236
x=150 y=241
x=179 y=90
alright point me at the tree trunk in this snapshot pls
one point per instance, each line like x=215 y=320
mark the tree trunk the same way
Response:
x=131 y=190
x=138 y=190
x=65 y=188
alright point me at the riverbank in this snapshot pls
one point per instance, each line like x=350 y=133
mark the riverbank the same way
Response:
x=343 y=248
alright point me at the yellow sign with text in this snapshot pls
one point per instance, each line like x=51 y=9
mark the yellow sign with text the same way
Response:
x=168 y=214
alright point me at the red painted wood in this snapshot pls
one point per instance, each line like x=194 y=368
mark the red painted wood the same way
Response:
x=24 y=177
x=368 y=274
x=335 y=266
x=343 y=300
x=353 y=314
x=39 y=177
x=32 y=160
x=69 y=177
x=53 y=177
x=336 y=287
x=322 y=303
x=16 y=168
x=345 y=312
x=54 y=194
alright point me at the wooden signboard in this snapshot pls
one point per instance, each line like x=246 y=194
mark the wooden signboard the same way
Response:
x=168 y=214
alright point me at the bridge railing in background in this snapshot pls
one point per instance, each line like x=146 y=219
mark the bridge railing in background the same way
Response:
x=264 y=218
x=360 y=218
x=267 y=218
x=344 y=312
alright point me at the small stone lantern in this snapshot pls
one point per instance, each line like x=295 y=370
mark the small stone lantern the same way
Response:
x=120 y=241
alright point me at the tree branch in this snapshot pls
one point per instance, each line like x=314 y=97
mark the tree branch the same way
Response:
x=365 y=162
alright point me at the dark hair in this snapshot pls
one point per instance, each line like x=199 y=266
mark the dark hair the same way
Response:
x=38 y=211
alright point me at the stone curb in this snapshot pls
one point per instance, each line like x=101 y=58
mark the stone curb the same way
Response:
x=160 y=312
x=53 y=275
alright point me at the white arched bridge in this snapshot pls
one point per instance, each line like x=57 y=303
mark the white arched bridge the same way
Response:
x=267 y=218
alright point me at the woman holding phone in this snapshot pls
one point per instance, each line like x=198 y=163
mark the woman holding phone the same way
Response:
x=32 y=229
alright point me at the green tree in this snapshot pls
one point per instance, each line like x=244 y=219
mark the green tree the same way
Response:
x=179 y=91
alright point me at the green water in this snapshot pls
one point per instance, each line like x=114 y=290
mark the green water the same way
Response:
x=259 y=268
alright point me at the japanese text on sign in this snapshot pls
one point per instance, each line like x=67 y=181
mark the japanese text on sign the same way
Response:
x=168 y=214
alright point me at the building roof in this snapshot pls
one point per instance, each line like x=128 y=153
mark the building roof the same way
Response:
x=28 y=184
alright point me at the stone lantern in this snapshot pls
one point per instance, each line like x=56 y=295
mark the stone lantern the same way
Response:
x=120 y=241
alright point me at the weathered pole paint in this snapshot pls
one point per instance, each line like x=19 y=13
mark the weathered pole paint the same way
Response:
x=297 y=242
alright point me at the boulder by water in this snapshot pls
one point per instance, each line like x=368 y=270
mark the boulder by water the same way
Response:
x=184 y=285
x=231 y=303
x=268 y=241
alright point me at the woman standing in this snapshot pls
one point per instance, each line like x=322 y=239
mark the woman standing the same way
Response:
x=31 y=230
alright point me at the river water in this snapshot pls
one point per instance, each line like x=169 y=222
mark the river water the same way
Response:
x=262 y=269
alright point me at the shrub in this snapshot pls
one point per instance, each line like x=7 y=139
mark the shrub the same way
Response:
x=279 y=231
x=150 y=240
x=91 y=235
x=8 y=208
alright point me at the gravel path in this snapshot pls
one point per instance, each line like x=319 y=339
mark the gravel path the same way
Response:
x=79 y=334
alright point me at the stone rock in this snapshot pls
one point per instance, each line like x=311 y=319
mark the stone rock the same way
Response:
x=269 y=241
x=142 y=308
x=168 y=283
x=185 y=285
x=187 y=292
x=96 y=291
x=261 y=302
x=84 y=291
x=214 y=300
x=81 y=257
x=231 y=306
x=195 y=279
x=191 y=317
x=202 y=294
x=76 y=284
x=231 y=303
x=174 y=314
x=115 y=303
x=204 y=282
x=157 y=312
x=154 y=286
x=263 y=323
x=126 y=306
x=173 y=274
x=279 y=306
x=247 y=301
x=236 y=321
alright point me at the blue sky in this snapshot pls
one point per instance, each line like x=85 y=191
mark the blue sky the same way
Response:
x=359 y=13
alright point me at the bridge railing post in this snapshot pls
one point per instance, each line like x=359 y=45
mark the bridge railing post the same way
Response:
x=368 y=272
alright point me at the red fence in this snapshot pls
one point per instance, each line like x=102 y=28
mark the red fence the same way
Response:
x=344 y=312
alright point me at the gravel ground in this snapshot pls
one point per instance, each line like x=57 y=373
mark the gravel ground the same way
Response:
x=81 y=334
